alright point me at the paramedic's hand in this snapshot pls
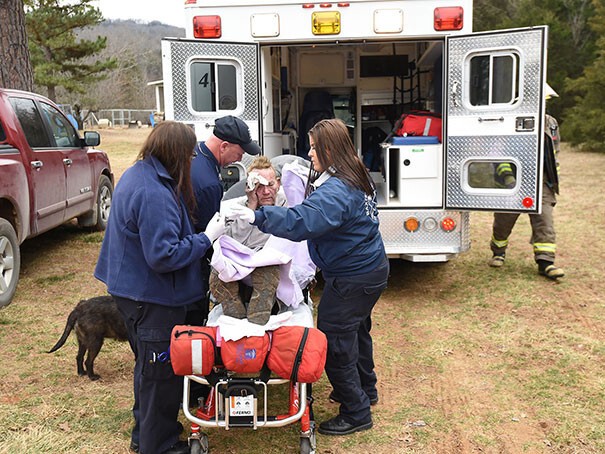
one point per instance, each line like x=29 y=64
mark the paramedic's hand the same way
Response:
x=243 y=213
x=216 y=227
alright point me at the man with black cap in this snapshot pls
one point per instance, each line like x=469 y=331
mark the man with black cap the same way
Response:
x=227 y=144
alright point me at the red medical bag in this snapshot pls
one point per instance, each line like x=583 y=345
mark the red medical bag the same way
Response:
x=193 y=349
x=419 y=123
x=298 y=353
x=245 y=355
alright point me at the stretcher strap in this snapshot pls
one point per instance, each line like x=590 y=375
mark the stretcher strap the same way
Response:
x=299 y=353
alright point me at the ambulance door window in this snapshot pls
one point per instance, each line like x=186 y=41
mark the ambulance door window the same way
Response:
x=213 y=86
x=493 y=79
x=491 y=174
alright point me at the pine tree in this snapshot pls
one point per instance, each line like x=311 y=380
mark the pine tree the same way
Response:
x=16 y=69
x=58 y=57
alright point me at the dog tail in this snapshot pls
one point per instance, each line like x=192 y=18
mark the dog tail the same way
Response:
x=69 y=326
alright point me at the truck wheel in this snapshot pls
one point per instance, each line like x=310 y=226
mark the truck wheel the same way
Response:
x=104 y=196
x=97 y=217
x=10 y=262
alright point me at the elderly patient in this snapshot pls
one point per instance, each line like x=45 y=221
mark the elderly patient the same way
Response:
x=262 y=188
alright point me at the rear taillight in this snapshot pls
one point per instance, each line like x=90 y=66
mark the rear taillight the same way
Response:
x=207 y=26
x=449 y=18
x=448 y=224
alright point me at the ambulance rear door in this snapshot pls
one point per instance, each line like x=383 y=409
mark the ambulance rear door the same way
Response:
x=494 y=120
x=205 y=80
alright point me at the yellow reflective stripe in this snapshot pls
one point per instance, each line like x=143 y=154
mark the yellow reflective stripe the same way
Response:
x=545 y=247
x=504 y=168
x=500 y=243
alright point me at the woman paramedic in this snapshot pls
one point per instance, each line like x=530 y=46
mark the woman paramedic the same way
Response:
x=150 y=261
x=339 y=218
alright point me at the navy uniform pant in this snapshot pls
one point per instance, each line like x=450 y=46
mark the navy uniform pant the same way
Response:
x=157 y=391
x=344 y=316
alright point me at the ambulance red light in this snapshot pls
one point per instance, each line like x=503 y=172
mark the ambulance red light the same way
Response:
x=343 y=5
x=207 y=27
x=448 y=224
x=190 y=2
x=449 y=18
x=308 y=5
x=325 y=5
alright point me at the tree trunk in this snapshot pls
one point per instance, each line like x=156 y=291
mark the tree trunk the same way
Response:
x=16 y=69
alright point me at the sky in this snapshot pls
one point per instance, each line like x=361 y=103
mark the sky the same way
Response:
x=169 y=12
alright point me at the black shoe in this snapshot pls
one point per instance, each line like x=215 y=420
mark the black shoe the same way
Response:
x=134 y=446
x=180 y=447
x=334 y=399
x=338 y=426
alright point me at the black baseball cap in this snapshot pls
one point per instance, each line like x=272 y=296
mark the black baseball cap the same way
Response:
x=232 y=129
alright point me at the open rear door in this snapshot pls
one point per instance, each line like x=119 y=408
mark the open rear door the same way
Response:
x=205 y=80
x=495 y=120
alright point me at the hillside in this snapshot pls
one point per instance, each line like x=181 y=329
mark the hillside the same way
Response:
x=136 y=46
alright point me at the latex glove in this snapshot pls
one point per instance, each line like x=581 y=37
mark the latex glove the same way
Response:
x=216 y=227
x=243 y=213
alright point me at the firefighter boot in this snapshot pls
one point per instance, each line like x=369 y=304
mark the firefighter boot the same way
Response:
x=227 y=293
x=497 y=261
x=549 y=270
x=264 y=283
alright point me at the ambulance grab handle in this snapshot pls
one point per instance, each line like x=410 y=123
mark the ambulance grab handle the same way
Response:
x=490 y=119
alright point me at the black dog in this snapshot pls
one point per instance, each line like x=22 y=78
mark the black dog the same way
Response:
x=94 y=320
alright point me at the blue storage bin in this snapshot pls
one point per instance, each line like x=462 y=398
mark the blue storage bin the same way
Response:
x=415 y=140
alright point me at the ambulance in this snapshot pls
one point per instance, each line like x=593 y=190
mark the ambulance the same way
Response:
x=280 y=65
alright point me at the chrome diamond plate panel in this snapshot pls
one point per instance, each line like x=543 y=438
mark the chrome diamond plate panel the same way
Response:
x=491 y=147
x=246 y=54
x=531 y=58
x=398 y=241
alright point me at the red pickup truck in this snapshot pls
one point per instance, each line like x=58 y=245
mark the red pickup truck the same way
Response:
x=48 y=175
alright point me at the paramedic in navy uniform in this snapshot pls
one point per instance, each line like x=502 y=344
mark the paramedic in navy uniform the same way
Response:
x=150 y=261
x=339 y=218
x=229 y=140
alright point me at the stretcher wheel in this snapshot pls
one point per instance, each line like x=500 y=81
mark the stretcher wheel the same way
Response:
x=199 y=446
x=307 y=444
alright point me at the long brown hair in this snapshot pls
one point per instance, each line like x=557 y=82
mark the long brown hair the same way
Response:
x=337 y=155
x=172 y=144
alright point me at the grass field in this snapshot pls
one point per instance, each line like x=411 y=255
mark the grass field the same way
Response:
x=470 y=359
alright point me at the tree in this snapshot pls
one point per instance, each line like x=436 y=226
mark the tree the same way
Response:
x=58 y=57
x=585 y=121
x=16 y=69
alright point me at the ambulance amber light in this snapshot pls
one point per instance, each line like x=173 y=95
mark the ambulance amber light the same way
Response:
x=207 y=27
x=411 y=224
x=449 y=18
x=448 y=224
x=325 y=23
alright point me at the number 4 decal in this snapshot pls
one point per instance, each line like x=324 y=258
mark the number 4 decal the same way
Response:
x=204 y=80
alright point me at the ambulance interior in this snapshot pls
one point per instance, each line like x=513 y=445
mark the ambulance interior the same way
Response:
x=368 y=86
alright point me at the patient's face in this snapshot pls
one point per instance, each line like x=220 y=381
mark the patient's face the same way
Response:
x=267 y=193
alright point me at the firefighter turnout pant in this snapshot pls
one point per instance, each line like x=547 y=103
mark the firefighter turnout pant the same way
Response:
x=543 y=236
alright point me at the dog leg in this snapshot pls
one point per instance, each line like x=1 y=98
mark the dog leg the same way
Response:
x=80 y=359
x=93 y=351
